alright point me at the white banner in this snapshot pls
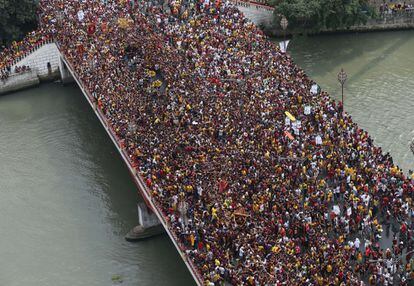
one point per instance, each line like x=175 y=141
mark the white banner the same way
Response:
x=284 y=45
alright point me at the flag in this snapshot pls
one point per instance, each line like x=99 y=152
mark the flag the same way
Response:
x=81 y=15
x=91 y=28
x=288 y=135
x=223 y=185
x=314 y=89
x=283 y=46
x=123 y=23
x=291 y=117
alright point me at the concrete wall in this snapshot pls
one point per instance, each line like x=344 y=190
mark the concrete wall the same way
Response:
x=262 y=16
x=259 y=14
x=401 y=21
x=38 y=61
x=65 y=75
x=19 y=81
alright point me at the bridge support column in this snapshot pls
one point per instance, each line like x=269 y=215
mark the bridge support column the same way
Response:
x=149 y=225
x=65 y=75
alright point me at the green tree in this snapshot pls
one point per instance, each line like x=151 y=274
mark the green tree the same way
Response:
x=316 y=15
x=17 y=17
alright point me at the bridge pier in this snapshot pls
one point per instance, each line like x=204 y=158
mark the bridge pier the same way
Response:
x=65 y=74
x=148 y=226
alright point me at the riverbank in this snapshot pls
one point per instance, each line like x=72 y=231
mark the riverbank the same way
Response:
x=386 y=23
x=43 y=61
x=28 y=79
x=263 y=16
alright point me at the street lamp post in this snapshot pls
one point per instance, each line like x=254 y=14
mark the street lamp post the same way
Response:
x=284 y=24
x=342 y=77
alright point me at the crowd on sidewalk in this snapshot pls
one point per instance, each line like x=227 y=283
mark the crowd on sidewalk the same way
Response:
x=264 y=180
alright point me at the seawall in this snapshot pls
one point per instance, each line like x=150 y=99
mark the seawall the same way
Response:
x=45 y=60
x=385 y=23
x=20 y=81
x=259 y=14
x=44 y=64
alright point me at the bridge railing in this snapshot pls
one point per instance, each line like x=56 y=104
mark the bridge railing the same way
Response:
x=142 y=187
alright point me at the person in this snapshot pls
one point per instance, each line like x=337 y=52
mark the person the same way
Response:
x=197 y=95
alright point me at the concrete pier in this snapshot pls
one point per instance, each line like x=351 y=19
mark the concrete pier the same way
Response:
x=149 y=225
x=65 y=75
x=260 y=15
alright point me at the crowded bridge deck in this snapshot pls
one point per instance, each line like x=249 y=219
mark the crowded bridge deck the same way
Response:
x=257 y=179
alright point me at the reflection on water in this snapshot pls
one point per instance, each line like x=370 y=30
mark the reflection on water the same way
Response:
x=66 y=199
x=379 y=93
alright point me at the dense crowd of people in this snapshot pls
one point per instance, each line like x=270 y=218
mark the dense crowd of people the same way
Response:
x=263 y=179
x=17 y=50
x=395 y=8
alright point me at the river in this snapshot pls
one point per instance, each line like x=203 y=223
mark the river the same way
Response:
x=379 y=92
x=67 y=200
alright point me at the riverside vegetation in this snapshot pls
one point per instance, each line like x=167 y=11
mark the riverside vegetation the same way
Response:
x=17 y=18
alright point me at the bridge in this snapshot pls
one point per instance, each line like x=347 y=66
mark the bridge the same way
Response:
x=235 y=173
x=47 y=62
x=147 y=217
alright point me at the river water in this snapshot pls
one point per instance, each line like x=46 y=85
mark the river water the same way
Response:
x=67 y=200
x=379 y=92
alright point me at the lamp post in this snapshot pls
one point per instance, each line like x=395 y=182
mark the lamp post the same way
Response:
x=342 y=77
x=284 y=24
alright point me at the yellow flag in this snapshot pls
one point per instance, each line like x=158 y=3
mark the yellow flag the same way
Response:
x=291 y=117
x=123 y=23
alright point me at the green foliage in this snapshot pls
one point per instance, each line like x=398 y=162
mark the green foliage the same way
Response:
x=17 y=17
x=316 y=15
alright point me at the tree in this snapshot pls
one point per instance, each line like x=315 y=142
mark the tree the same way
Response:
x=17 y=17
x=316 y=15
